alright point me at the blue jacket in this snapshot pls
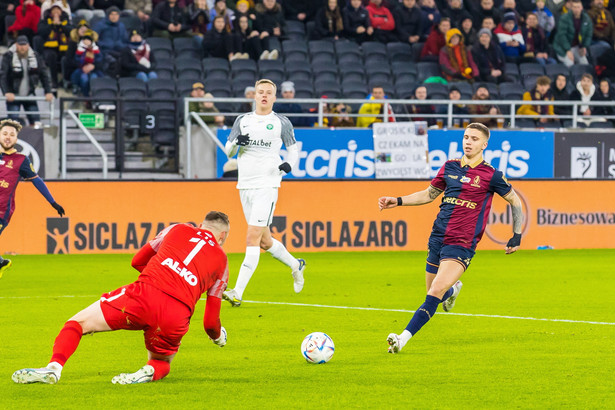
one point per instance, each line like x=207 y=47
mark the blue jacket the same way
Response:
x=111 y=36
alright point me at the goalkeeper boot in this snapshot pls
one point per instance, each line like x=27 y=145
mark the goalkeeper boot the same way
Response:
x=298 y=276
x=43 y=375
x=395 y=343
x=4 y=265
x=143 y=375
x=232 y=296
x=449 y=303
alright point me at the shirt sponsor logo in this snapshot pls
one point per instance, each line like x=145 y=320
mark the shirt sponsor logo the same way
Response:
x=269 y=126
x=460 y=202
x=183 y=272
x=4 y=184
x=465 y=179
x=453 y=176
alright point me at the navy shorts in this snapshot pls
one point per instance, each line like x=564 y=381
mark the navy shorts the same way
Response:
x=438 y=252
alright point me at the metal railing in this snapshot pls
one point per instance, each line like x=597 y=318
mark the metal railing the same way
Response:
x=49 y=113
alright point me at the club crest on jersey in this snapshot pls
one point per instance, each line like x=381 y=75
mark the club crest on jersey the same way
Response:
x=465 y=179
x=269 y=126
x=10 y=164
x=4 y=184
x=476 y=182
x=183 y=272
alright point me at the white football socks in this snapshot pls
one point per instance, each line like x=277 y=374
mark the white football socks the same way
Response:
x=280 y=252
x=404 y=337
x=56 y=367
x=250 y=262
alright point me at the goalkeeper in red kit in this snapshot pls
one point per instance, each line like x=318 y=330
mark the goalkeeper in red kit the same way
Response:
x=176 y=268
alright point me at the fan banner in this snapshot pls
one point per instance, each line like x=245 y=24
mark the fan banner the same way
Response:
x=401 y=150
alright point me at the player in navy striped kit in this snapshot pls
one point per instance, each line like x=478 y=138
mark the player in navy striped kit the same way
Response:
x=468 y=185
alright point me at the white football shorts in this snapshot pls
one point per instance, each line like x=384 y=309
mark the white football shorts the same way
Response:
x=258 y=205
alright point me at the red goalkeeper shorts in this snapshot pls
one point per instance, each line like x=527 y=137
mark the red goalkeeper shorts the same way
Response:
x=140 y=306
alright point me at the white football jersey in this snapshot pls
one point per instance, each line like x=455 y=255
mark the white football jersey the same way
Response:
x=258 y=162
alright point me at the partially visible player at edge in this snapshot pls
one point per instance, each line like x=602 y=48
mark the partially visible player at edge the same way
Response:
x=176 y=267
x=468 y=185
x=13 y=166
x=258 y=136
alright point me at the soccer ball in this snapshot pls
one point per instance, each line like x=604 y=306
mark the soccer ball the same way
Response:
x=317 y=348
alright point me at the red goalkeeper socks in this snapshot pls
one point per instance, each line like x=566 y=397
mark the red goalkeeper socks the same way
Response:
x=67 y=341
x=161 y=368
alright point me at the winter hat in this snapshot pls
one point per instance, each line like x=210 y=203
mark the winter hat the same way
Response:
x=485 y=31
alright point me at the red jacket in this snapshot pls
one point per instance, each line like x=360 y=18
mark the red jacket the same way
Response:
x=381 y=17
x=30 y=20
x=434 y=43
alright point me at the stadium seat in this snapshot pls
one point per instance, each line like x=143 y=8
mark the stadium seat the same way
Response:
x=350 y=73
x=343 y=48
x=325 y=72
x=266 y=66
x=463 y=87
x=426 y=69
x=161 y=47
x=165 y=68
x=161 y=88
x=294 y=50
x=373 y=50
x=577 y=71
x=239 y=87
x=531 y=68
x=511 y=71
x=184 y=87
x=436 y=91
x=417 y=48
x=187 y=47
x=331 y=89
x=398 y=51
x=553 y=70
x=295 y=30
x=324 y=59
x=511 y=91
x=103 y=83
x=131 y=87
x=298 y=70
x=403 y=70
x=320 y=47
x=354 y=89
x=185 y=67
x=529 y=80
x=243 y=70
x=350 y=59
x=130 y=22
x=303 y=88
x=405 y=88
x=215 y=67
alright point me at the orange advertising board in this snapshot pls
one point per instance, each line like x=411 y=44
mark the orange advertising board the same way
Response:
x=119 y=217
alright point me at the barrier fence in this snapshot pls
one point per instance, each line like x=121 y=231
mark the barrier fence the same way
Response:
x=119 y=217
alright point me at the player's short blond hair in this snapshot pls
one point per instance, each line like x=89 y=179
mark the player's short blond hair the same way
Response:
x=266 y=81
x=481 y=127
x=11 y=123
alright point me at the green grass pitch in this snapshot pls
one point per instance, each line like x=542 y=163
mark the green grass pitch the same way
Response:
x=483 y=355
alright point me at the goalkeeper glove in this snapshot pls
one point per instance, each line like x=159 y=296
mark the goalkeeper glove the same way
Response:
x=285 y=166
x=514 y=241
x=58 y=208
x=243 y=140
x=221 y=341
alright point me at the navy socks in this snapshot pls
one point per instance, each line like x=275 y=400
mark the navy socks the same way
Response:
x=424 y=313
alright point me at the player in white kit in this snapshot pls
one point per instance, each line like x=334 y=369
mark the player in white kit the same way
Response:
x=258 y=136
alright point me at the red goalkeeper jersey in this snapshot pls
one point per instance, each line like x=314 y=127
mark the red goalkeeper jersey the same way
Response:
x=187 y=263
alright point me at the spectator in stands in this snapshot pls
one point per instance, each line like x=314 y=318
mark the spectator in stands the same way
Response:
x=328 y=22
x=205 y=107
x=301 y=10
x=287 y=88
x=604 y=28
x=510 y=6
x=220 y=9
x=143 y=10
x=169 y=20
x=456 y=62
x=605 y=93
x=112 y=34
x=21 y=71
x=243 y=8
x=54 y=30
x=248 y=93
x=409 y=22
x=70 y=63
x=27 y=17
x=584 y=91
x=536 y=47
x=373 y=112
x=435 y=41
x=540 y=92
x=523 y=7
x=357 y=24
x=248 y=39
x=7 y=8
x=470 y=36
x=487 y=9
x=339 y=115
x=431 y=16
x=458 y=109
x=219 y=43
x=46 y=6
x=557 y=8
x=382 y=21
x=605 y=65
x=510 y=38
x=416 y=110
x=455 y=12
x=546 y=21
x=489 y=58
x=137 y=60
x=560 y=93
x=482 y=94
x=85 y=9
x=198 y=16
x=269 y=23
x=573 y=36
x=89 y=63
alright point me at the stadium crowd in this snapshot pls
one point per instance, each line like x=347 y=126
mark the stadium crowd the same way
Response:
x=535 y=50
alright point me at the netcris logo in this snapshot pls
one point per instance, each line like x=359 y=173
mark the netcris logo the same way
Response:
x=499 y=226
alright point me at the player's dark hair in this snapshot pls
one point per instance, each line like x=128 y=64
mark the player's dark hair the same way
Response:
x=217 y=216
x=481 y=127
x=10 y=123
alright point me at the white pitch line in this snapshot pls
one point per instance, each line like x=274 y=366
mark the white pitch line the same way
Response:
x=350 y=308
